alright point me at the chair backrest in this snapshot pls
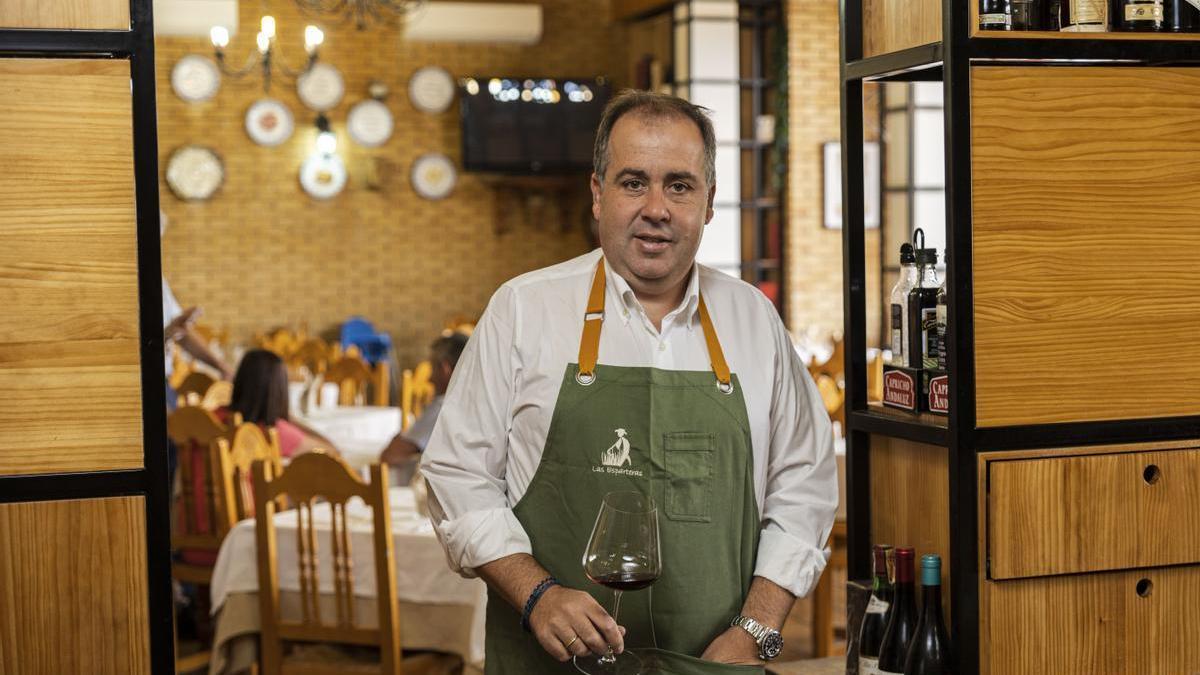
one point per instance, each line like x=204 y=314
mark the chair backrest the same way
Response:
x=250 y=443
x=203 y=445
x=220 y=394
x=352 y=375
x=196 y=383
x=314 y=354
x=309 y=478
x=422 y=386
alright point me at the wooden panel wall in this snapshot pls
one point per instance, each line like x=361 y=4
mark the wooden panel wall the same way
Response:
x=91 y=14
x=904 y=516
x=73 y=584
x=892 y=25
x=1093 y=624
x=70 y=388
x=1086 y=251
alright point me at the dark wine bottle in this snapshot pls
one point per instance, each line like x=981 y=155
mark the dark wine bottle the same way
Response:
x=1181 y=16
x=1028 y=14
x=902 y=624
x=922 y=312
x=929 y=653
x=995 y=15
x=1138 y=15
x=870 y=636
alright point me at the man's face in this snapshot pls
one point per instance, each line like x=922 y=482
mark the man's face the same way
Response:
x=653 y=202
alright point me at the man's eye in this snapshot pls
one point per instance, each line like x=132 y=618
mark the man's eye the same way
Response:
x=680 y=187
x=633 y=184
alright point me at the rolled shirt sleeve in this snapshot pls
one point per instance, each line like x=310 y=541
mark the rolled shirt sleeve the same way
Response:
x=464 y=463
x=802 y=487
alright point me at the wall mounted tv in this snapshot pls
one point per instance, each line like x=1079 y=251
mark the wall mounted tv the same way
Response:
x=530 y=126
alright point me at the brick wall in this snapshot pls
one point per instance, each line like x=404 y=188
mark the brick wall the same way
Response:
x=261 y=253
x=814 y=254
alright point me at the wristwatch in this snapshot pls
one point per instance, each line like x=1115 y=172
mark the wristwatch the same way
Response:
x=770 y=642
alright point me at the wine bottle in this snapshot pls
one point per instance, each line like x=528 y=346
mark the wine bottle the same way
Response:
x=899 y=305
x=870 y=636
x=1083 y=15
x=1181 y=16
x=942 y=312
x=922 y=312
x=929 y=653
x=902 y=624
x=1138 y=15
x=995 y=15
x=1027 y=14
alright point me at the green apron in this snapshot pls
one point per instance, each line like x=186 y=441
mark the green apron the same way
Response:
x=689 y=448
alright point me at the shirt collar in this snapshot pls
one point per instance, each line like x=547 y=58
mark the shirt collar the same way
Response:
x=618 y=288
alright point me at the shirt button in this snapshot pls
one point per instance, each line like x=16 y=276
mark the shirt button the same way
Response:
x=662 y=346
x=626 y=313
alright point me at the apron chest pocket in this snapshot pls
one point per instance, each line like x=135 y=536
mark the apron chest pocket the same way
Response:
x=689 y=460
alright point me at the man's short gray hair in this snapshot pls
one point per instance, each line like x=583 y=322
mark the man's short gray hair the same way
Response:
x=654 y=105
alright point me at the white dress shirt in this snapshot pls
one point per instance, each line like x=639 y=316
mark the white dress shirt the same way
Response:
x=489 y=437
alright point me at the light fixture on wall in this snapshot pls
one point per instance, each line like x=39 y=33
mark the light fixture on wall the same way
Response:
x=323 y=174
x=364 y=11
x=267 y=58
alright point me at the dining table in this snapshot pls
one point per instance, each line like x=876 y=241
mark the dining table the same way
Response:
x=439 y=610
x=358 y=432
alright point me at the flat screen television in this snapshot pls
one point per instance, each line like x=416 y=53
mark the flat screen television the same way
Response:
x=530 y=126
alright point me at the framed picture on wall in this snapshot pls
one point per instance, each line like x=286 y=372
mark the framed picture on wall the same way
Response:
x=832 y=156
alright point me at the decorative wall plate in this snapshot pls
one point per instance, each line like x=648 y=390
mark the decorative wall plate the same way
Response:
x=433 y=176
x=195 y=78
x=431 y=89
x=194 y=172
x=323 y=176
x=321 y=88
x=370 y=123
x=269 y=122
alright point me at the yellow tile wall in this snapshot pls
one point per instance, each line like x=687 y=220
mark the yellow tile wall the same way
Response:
x=261 y=253
x=814 y=254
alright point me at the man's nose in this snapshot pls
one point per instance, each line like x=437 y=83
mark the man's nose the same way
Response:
x=655 y=209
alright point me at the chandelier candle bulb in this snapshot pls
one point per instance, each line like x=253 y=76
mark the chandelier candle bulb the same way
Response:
x=219 y=36
x=313 y=37
x=264 y=42
x=268 y=26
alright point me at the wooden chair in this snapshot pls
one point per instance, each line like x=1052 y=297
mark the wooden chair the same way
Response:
x=202 y=517
x=218 y=395
x=250 y=443
x=307 y=479
x=314 y=354
x=196 y=383
x=354 y=377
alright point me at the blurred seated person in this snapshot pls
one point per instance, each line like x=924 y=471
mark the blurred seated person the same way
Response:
x=443 y=356
x=260 y=394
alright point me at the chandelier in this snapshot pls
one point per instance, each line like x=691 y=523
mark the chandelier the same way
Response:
x=363 y=11
x=268 y=58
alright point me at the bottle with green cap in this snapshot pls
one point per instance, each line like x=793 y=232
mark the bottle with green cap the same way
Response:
x=929 y=651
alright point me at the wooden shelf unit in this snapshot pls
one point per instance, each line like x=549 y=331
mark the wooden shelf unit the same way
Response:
x=1061 y=488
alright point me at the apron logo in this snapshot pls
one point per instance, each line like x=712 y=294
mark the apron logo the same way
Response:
x=617 y=454
x=616 y=457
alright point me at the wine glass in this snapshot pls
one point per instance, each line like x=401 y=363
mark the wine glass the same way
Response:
x=622 y=554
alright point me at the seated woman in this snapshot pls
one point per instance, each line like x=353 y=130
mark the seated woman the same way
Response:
x=260 y=394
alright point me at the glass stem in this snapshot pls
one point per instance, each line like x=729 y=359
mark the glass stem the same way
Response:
x=610 y=657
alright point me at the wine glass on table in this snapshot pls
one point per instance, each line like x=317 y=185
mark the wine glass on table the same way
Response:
x=622 y=554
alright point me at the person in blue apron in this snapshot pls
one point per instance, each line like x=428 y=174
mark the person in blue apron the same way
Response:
x=633 y=367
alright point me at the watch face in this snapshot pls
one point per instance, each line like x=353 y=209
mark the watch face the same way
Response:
x=772 y=645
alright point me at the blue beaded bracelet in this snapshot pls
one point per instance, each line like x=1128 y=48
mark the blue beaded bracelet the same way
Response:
x=543 y=586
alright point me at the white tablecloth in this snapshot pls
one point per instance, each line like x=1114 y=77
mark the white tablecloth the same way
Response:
x=422 y=573
x=359 y=432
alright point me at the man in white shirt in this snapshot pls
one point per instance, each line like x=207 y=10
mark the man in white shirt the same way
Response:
x=626 y=348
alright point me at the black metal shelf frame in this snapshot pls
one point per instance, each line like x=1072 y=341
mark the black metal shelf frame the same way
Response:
x=151 y=482
x=951 y=61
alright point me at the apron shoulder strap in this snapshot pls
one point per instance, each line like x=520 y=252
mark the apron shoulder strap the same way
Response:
x=589 y=342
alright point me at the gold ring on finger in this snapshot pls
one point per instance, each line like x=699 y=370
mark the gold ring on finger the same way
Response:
x=568 y=645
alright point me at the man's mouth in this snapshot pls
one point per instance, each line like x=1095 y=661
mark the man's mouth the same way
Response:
x=652 y=243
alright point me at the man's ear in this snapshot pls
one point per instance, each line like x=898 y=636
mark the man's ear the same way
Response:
x=712 y=193
x=597 y=187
